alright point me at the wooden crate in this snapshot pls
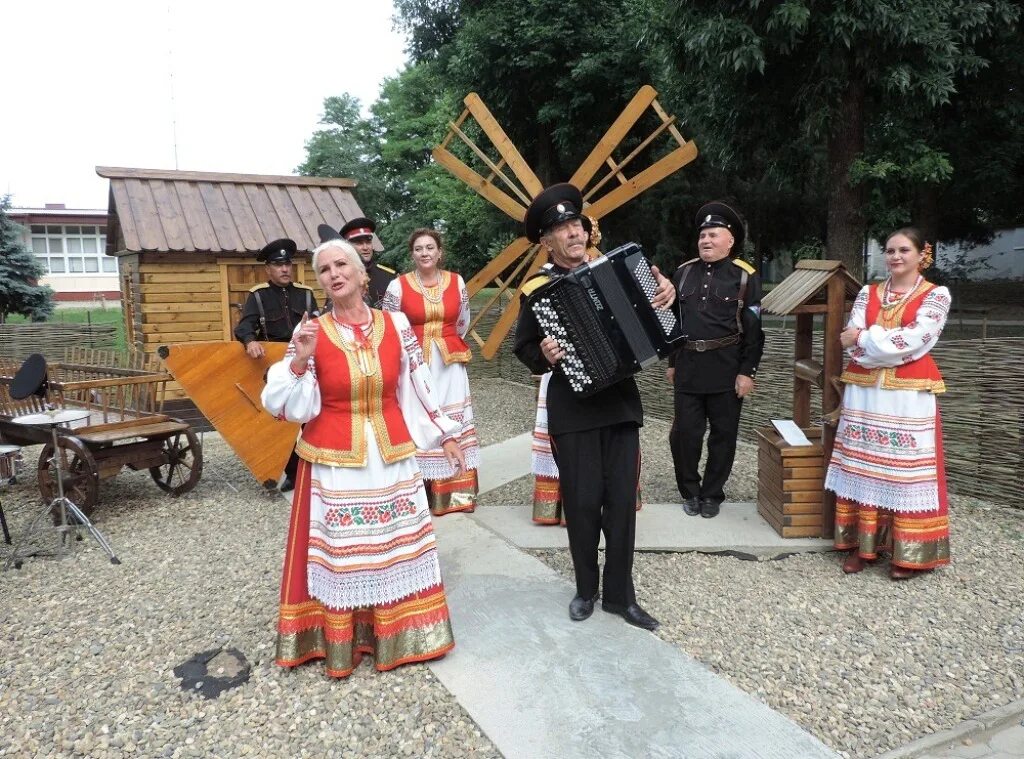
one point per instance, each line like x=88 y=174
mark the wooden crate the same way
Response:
x=790 y=483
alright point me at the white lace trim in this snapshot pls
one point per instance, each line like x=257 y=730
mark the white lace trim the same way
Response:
x=351 y=590
x=435 y=466
x=903 y=497
x=544 y=464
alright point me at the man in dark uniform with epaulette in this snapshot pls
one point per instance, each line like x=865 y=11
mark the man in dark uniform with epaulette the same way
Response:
x=359 y=232
x=719 y=300
x=595 y=440
x=271 y=312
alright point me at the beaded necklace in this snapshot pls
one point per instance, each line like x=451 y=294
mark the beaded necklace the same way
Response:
x=433 y=293
x=888 y=294
x=360 y=349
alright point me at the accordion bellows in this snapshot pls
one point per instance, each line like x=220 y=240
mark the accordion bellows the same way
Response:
x=601 y=314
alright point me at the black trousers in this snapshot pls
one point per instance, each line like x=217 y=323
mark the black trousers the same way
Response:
x=292 y=466
x=693 y=413
x=598 y=472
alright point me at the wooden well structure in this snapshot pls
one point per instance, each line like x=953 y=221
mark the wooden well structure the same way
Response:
x=186 y=243
x=790 y=489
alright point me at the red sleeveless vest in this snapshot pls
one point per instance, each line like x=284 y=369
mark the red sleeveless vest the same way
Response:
x=920 y=374
x=348 y=397
x=434 y=323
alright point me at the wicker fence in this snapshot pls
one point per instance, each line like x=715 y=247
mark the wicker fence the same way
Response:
x=982 y=411
x=18 y=341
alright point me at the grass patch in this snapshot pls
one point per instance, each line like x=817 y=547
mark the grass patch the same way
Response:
x=109 y=315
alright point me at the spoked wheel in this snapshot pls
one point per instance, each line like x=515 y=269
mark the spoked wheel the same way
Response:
x=183 y=463
x=81 y=478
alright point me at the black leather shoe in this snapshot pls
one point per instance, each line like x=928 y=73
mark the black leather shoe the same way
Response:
x=288 y=485
x=580 y=608
x=691 y=507
x=633 y=614
x=709 y=509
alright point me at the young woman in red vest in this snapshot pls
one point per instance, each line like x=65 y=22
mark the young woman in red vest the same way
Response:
x=361 y=573
x=437 y=305
x=887 y=467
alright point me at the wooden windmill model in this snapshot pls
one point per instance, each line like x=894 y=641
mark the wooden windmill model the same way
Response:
x=521 y=259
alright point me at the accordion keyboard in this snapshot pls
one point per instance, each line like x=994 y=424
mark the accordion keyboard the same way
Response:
x=570 y=321
x=645 y=278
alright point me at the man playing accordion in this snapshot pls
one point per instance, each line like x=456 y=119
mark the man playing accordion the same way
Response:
x=595 y=439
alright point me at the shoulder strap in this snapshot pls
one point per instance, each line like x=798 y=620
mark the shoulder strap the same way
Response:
x=534 y=283
x=263 y=312
x=743 y=265
x=388 y=269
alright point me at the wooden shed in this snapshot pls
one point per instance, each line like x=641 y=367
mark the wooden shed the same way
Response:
x=790 y=483
x=186 y=243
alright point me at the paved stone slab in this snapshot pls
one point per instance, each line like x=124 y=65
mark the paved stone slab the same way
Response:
x=540 y=685
x=662 y=527
x=503 y=462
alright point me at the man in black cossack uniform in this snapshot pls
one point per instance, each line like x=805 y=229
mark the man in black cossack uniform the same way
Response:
x=359 y=232
x=595 y=440
x=719 y=301
x=271 y=312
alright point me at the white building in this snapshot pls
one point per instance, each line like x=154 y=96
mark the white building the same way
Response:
x=71 y=244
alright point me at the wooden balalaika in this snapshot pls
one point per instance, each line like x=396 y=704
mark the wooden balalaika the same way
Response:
x=225 y=384
x=601 y=315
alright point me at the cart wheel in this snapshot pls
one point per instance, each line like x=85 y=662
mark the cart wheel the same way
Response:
x=183 y=463
x=81 y=477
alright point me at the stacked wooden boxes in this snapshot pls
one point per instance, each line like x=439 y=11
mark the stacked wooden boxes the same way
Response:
x=790 y=483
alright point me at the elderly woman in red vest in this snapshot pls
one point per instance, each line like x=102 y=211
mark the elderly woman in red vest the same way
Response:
x=887 y=466
x=437 y=305
x=361 y=573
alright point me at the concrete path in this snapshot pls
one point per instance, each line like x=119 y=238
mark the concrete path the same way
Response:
x=663 y=527
x=540 y=685
x=996 y=734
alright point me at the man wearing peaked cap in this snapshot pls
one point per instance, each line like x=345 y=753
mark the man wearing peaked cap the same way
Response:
x=595 y=440
x=359 y=232
x=719 y=297
x=272 y=310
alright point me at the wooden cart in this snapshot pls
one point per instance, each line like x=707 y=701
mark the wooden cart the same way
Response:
x=124 y=428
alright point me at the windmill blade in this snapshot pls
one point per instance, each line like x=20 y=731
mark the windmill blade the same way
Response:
x=503 y=144
x=513 y=201
x=611 y=139
x=627 y=189
x=508 y=317
x=497 y=265
x=482 y=186
x=644 y=180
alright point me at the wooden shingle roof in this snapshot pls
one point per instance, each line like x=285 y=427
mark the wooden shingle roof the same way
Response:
x=806 y=285
x=189 y=211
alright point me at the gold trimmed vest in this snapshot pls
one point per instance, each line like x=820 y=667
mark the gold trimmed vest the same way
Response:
x=433 y=315
x=356 y=384
x=920 y=374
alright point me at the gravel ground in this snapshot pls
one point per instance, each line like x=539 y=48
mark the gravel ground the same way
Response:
x=864 y=663
x=87 y=649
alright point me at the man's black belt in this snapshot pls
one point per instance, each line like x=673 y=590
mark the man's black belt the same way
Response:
x=709 y=345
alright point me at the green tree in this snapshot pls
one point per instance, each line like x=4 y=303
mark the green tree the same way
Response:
x=829 y=78
x=20 y=292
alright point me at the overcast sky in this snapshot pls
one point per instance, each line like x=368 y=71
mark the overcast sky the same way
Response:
x=88 y=84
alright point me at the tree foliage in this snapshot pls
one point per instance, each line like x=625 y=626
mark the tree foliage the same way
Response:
x=20 y=292
x=822 y=120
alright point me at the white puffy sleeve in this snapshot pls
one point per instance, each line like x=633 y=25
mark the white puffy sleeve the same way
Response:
x=427 y=425
x=295 y=398
x=462 y=325
x=392 y=300
x=879 y=347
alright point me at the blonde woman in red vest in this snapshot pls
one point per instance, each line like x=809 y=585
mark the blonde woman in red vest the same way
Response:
x=887 y=467
x=361 y=573
x=437 y=305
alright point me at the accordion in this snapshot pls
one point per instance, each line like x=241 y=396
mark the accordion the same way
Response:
x=601 y=315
